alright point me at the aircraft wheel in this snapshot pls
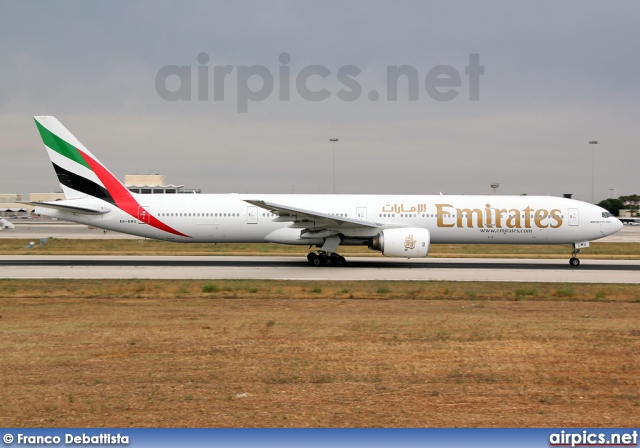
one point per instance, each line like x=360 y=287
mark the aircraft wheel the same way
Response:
x=311 y=256
x=317 y=261
x=328 y=261
x=340 y=261
x=574 y=262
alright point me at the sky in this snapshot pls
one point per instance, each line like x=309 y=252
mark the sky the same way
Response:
x=490 y=92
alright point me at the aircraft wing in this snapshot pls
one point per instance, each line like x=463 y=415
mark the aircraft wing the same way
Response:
x=310 y=219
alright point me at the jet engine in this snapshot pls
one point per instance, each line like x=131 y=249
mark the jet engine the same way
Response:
x=406 y=242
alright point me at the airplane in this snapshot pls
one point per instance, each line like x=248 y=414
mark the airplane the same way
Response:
x=397 y=225
x=4 y=224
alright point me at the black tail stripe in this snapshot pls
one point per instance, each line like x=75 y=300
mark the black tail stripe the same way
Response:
x=79 y=183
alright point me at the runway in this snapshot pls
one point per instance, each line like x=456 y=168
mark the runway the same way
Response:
x=297 y=268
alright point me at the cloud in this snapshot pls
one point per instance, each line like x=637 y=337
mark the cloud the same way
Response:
x=556 y=75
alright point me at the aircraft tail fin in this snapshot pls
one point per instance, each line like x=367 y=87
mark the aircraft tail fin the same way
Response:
x=80 y=173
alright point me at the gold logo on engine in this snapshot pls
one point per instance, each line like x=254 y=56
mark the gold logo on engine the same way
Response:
x=409 y=242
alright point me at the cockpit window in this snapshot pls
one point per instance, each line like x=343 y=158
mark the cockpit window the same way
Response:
x=607 y=215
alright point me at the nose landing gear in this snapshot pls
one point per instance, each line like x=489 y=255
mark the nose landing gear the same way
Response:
x=577 y=248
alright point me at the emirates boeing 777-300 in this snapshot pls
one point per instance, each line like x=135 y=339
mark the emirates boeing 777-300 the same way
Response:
x=396 y=225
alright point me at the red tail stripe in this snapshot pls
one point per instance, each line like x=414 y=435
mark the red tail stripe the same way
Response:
x=122 y=197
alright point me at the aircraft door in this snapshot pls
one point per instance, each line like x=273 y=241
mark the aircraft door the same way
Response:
x=143 y=214
x=574 y=218
x=252 y=215
x=361 y=213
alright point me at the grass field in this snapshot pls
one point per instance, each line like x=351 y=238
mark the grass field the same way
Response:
x=153 y=247
x=141 y=353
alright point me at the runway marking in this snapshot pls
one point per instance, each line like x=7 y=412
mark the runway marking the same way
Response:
x=296 y=268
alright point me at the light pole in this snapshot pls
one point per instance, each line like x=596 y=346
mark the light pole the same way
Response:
x=333 y=141
x=593 y=169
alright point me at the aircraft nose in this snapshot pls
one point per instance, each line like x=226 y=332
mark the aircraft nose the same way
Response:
x=618 y=224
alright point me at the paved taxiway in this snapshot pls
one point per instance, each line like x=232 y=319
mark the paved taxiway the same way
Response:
x=297 y=268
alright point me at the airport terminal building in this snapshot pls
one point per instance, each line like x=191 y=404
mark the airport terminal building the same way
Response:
x=153 y=184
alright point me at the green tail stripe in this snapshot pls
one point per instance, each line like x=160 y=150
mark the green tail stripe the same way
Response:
x=60 y=146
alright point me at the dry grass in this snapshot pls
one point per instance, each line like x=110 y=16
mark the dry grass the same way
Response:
x=262 y=354
x=56 y=246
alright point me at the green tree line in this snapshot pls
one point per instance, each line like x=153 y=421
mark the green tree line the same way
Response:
x=614 y=206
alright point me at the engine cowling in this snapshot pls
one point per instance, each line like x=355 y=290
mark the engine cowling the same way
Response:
x=406 y=242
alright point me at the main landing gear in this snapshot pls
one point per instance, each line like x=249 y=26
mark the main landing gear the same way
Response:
x=326 y=259
x=326 y=256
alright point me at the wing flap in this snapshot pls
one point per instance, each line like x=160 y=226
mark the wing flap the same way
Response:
x=302 y=218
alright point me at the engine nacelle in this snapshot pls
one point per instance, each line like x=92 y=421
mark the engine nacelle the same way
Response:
x=407 y=242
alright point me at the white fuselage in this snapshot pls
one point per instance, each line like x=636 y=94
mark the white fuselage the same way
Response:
x=460 y=219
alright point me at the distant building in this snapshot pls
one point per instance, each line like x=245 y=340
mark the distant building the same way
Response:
x=627 y=213
x=153 y=184
x=10 y=205
x=39 y=197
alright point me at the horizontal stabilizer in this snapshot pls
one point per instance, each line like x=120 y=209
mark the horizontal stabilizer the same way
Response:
x=66 y=207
